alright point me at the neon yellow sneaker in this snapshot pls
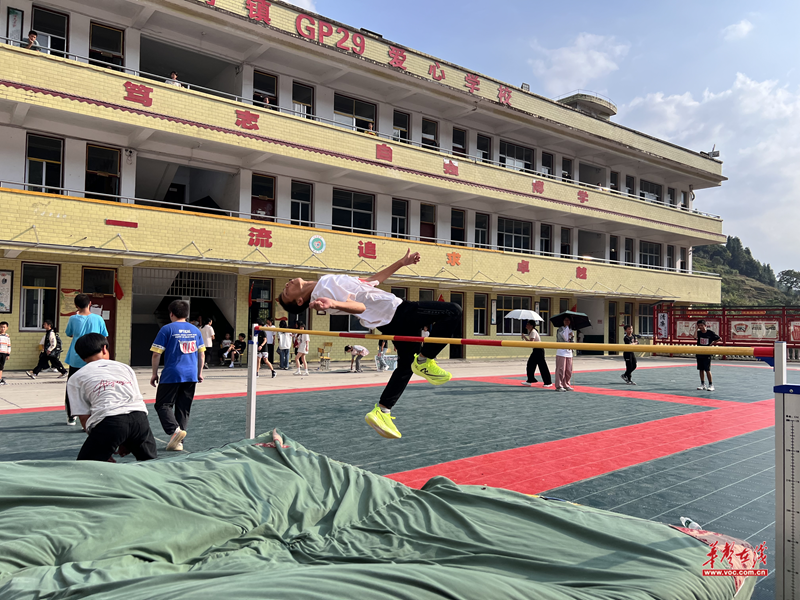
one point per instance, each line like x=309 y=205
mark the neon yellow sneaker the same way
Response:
x=382 y=423
x=430 y=371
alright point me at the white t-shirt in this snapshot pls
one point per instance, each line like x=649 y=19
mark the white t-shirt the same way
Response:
x=270 y=337
x=284 y=341
x=104 y=388
x=303 y=340
x=380 y=305
x=563 y=336
x=359 y=350
x=208 y=333
x=533 y=336
x=425 y=334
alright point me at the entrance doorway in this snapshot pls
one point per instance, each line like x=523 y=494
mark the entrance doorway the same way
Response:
x=99 y=284
x=457 y=351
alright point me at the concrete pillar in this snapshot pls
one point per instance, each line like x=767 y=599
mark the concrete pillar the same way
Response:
x=12 y=155
x=285 y=92
x=537 y=237
x=246 y=190
x=689 y=253
x=470 y=225
x=244 y=83
x=557 y=240
x=132 y=41
x=79 y=35
x=75 y=166
x=323 y=205
x=385 y=122
x=413 y=219
x=323 y=101
x=127 y=184
x=446 y=137
x=383 y=214
x=608 y=249
x=416 y=129
x=443 y=214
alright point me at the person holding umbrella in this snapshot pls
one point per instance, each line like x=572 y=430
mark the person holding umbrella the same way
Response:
x=536 y=358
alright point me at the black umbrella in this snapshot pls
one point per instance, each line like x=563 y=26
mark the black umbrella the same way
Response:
x=577 y=320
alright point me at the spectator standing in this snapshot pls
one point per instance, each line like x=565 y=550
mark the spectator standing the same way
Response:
x=5 y=349
x=51 y=350
x=301 y=343
x=208 y=339
x=536 y=359
x=285 y=342
x=80 y=324
x=356 y=354
x=105 y=396
x=32 y=44
x=270 y=343
x=630 y=357
x=371 y=130
x=425 y=333
x=382 y=364
x=173 y=80
x=181 y=343
x=705 y=337
x=564 y=358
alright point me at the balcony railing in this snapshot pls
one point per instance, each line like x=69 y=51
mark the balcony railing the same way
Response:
x=524 y=252
x=542 y=172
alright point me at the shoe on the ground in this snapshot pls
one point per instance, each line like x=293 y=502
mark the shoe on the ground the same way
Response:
x=548 y=385
x=625 y=379
x=569 y=389
x=298 y=372
x=274 y=374
x=179 y=447
x=710 y=388
x=527 y=383
x=560 y=389
x=62 y=375
x=2 y=382
x=430 y=371
x=31 y=374
x=382 y=423
x=305 y=372
x=632 y=382
x=72 y=421
x=701 y=387
x=231 y=365
x=176 y=439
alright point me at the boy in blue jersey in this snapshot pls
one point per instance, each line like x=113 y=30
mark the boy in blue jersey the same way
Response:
x=181 y=343
x=79 y=324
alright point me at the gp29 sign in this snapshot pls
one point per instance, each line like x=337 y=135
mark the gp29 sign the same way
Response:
x=311 y=29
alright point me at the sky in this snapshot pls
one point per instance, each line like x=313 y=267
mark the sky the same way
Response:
x=692 y=73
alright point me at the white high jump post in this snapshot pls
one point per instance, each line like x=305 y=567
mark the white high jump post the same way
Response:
x=252 y=368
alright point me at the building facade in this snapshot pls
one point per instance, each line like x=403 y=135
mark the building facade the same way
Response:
x=288 y=144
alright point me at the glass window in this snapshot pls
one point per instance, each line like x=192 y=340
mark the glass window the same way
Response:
x=505 y=304
x=458 y=227
x=98 y=281
x=684 y=200
x=684 y=265
x=302 y=196
x=516 y=157
x=566 y=169
x=544 y=312
x=39 y=295
x=645 y=319
x=427 y=222
x=545 y=239
x=670 y=257
x=548 y=163
x=650 y=191
x=303 y=100
x=399 y=218
x=426 y=296
x=102 y=172
x=105 y=45
x=51 y=28
x=262 y=200
x=627 y=314
x=459 y=142
x=628 y=251
x=614 y=249
x=481 y=230
x=401 y=127
x=352 y=113
x=672 y=198
x=630 y=185
x=44 y=164
x=265 y=90
x=514 y=236
x=261 y=306
x=614 y=181
x=484 y=148
x=563 y=305
x=401 y=293
x=352 y=211
x=348 y=323
x=430 y=134
x=649 y=254
x=566 y=241
x=479 y=314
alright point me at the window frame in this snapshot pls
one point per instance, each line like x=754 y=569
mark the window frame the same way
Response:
x=670 y=257
x=613 y=249
x=273 y=199
x=564 y=171
x=645 y=319
x=551 y=168
x=403 y=296
x=483 y=156
x=352 y=228
x=43 y=187
x=659 y=193
x=465 y=148
x=397 y=218
x=561 y=243
x=102 y=63
x=453 y=229
x=353 y=324
x=630 y=185
x=672 y=197
x=502 y=310
x=84 y=268
x=480 y=315
x=643 y=245
x=355 y=126
x=485 y=243
x=292 y=201
x=545 y=314
x=530 y=236
x=309 y=114
x=423 y=143
x=396 y=129
x=273 y=104
x=118 y=175
x=432 y=291
x=40 y=313
x=629 y=260
x=50 y=50
x=548 y=239
x=423 y=237
x=613 y=181
x=528 y=166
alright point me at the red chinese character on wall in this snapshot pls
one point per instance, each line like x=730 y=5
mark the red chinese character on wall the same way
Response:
x=583 y=196
x=454 y=259
x=258 y=10
x=398 y=57
x=450 y=167
x=580 y=272
x=139 y=93
x=260 y=238
x=538 y=187
x=367 y=250
x=383 y=152
x=523 y=266
x=472 y=82
x=246 y=120
x=504 y=95
x=433 y=71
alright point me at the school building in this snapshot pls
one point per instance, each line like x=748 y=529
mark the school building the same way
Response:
x=289 y=144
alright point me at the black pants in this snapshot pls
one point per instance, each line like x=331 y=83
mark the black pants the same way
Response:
x=173 y=404
x=409 y=318
x=72 y=371
x=131 y=430
x=536 y=359
x=46 y=361
x=270 y=352
x=630 y=364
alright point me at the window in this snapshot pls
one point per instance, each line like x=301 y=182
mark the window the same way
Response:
x=302 y=195
x=484 y=148
x=613 y=249
x=481 y=230
x=262 y=199
x=670 y=257
x=479 y=314
x=514 y=236
x=105 y=45
x=349 y=323
x=566 y=241
x=650 y=191
x=546 y=239
x=563 y=305
x=630 y=185
x=265 y=90
x=430 y=134
x=684 y=200
x=399 y=218
x=401 y=293
x=102 y=172
x=628 y=251
x=401 y=127
x=353 y=114
x=458 y=227
x=44 y=163
x=39 y=295
x=261 y=306
x=645 y=319
x=649 y=254
x=303 y=100
x=544 y=312
x=684 y=265
x=672 y=198
x=548 y=163
x=615 y=181
x=98 y=281
x=566 y=169
x=505 y=304
x=426 y=296
x=51 y=28
x=459 y=142
x=627 y=314
x=516 y=157
x=352 y=211
x=427 y=222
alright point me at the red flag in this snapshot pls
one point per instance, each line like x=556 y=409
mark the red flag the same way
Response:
x=118 y=293
x=250 y=296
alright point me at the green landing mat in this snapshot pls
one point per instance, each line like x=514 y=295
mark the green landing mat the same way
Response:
x=250 y=521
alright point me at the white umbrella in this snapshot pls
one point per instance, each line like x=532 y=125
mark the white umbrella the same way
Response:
x=529 y=315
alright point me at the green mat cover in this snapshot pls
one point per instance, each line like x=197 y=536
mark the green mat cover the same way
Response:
x=252 y=521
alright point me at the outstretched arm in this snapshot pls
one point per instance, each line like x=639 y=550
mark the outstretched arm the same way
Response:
x=407 y=260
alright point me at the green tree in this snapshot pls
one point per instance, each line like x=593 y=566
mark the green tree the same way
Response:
x=790 y=280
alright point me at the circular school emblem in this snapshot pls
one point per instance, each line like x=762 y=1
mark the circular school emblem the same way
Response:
x=317 y=244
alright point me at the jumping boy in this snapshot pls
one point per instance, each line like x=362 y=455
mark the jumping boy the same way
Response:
x=378 y=309
x=705 y=337
x=630 y=357
x=105 y=396
x=5 y=349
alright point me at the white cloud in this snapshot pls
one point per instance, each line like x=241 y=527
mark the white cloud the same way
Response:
x=737 y=31
x=590 y=57
x=756 y=127
x=308 y=5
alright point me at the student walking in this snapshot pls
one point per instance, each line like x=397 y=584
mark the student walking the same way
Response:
x=270 y=344
x=105 y=396
x=382 y=310
x=536 y=359
x=705 y=337
x=5 y=349
x=564 y=358
x=208 y=333
x=80 y=324
x=263 y=354
x=302 y=341
x=184 y=356
x=51 y=350
x=630 y=357
x=356 y=354
x=285 y=342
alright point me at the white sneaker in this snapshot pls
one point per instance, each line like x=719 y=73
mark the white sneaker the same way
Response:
x=231 y=365
x=710 y=388
x=298 y=372
x=72 y=421
x=549 y=385
x=701 y=387
x=305 y=372
x=176 y=439
x=527 y=383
